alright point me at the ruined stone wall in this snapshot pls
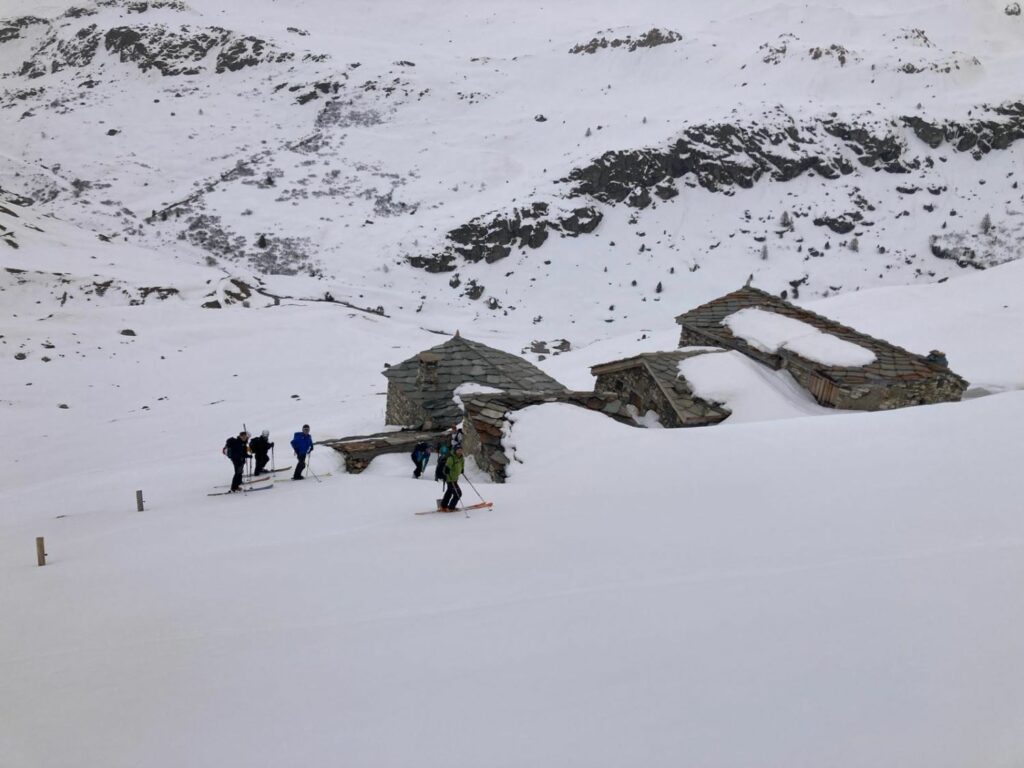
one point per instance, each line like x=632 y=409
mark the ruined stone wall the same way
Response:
x=487 y=417
x=884 y=397
x=400 y=411
x=636 y=387
x=688 y=339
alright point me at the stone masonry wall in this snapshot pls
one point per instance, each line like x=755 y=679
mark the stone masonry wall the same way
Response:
x=400 y=411
x=637 y=387
x=938 y=389
x=687 y=339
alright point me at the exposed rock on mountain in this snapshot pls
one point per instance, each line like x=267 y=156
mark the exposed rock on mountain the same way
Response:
x=724 y=155
x=493 y=240
x=12 y=29
x=171 y=51
x=649 y=39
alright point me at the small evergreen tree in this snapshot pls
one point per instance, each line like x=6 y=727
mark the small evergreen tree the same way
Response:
x=262 y=242
x=764 y=252
x=986 y=224
x=855 y=245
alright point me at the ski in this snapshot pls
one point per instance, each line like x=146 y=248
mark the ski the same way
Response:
x=250 y=481
x=244 y=490
x=468 y=507
x=319 y=474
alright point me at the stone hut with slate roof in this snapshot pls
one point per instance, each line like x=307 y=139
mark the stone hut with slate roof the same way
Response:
x=651 y=382
x=894 y=379
x=421 y=389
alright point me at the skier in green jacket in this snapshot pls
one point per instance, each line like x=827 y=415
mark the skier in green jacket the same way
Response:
x=453 y=468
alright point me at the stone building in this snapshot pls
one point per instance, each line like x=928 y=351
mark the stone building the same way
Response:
x=893 y=378
x=651 y=382
x=421 y=389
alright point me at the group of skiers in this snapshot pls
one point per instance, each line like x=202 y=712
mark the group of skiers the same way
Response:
x=450 y=462
x=450 y=466
x=239 y=449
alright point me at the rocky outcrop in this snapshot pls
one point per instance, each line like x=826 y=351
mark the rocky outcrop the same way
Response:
x=12 y=29
x=841 y=224
x=492 y=239
x=183 y=51
x=648 y=39
x=720 y=156
x=978 y=137
x=170 y=51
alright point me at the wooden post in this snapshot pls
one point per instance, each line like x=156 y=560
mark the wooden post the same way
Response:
x=138 y=501
x=40 y=551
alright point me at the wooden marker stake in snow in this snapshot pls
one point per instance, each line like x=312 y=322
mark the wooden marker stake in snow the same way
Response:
x=40 y=551
x=138 y=501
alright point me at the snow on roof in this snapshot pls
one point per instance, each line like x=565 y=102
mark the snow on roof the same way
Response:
x=770 y=332
x=705 y=324
x=472 y=388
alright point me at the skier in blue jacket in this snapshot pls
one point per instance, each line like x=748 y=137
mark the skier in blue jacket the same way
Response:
x=302 y=444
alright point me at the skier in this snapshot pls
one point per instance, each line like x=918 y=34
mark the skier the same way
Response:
x=420 y=457
x=453 y=468
x=455 y=437
x=443 y=451
x=260 y=447
x=237 y=449
x=302 y=444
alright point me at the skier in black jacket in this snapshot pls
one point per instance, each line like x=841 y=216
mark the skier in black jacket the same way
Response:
x=260 y=447
x=237 y=449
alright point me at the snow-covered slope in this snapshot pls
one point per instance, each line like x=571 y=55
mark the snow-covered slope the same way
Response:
x=219 y=213
x=821 y=149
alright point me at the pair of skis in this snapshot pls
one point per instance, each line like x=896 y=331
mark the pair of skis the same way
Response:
x=249 y=482
x=266 y=487
x=467 y=508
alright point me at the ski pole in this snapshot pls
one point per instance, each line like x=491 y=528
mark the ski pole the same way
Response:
x=248 y=458
x=309 y=466
x=474 y=488
x=273 y=461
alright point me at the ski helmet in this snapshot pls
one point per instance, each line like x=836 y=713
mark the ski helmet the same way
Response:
x=265 y=433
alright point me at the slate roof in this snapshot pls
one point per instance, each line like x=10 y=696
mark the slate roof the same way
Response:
x=459 y=361
x=663 y=367
x=892 y=364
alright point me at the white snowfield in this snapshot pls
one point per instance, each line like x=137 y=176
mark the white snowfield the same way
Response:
x=796 y=587
x=770 y=332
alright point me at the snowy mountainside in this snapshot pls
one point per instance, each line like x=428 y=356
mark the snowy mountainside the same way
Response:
x=833 y=150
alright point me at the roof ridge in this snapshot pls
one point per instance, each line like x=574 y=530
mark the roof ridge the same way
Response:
x=473 y=346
